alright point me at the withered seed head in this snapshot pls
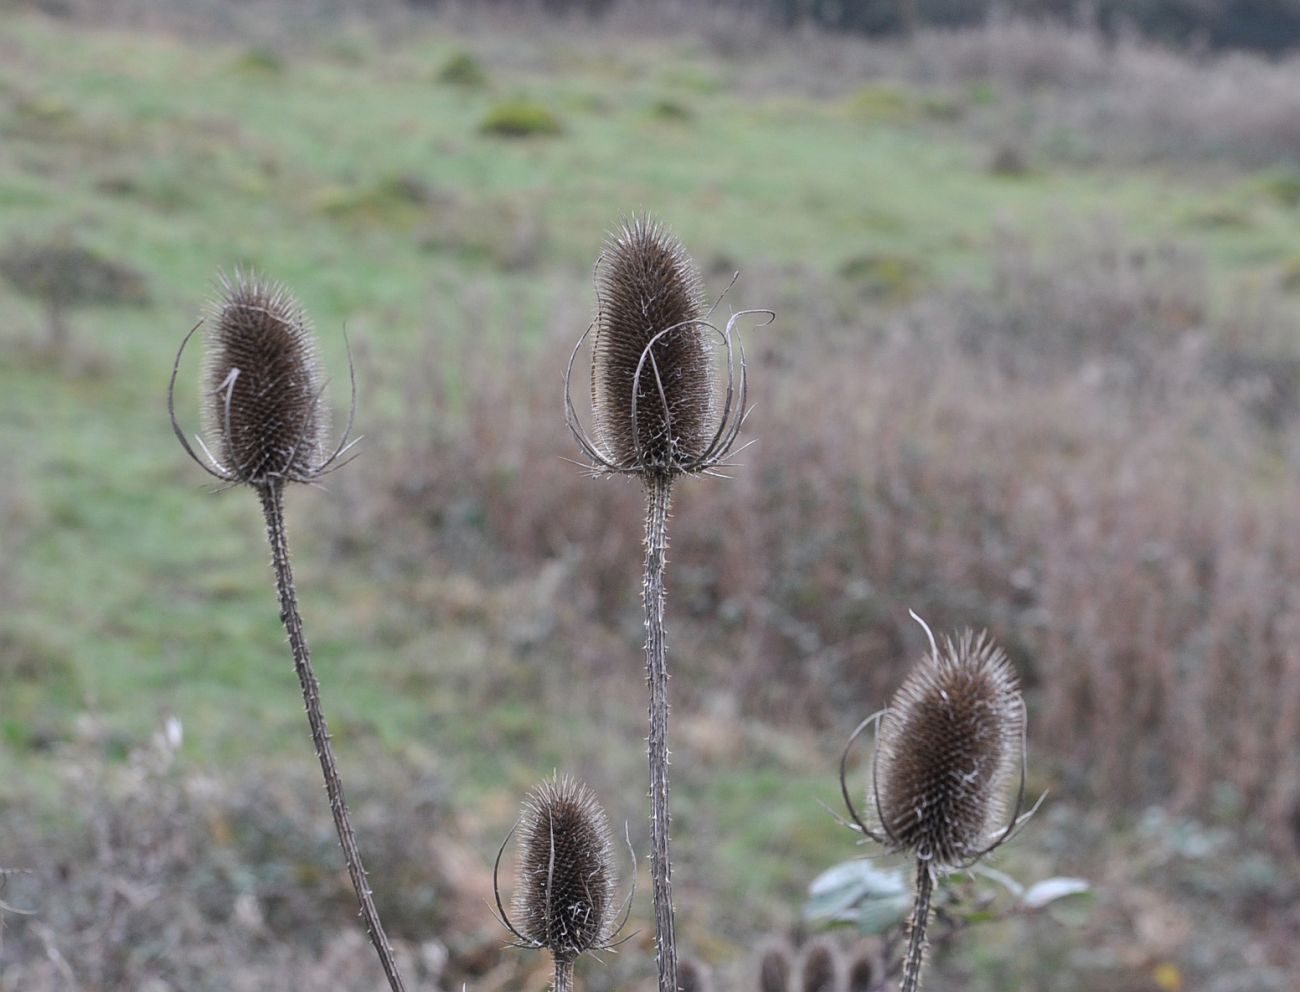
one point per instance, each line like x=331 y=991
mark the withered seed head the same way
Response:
x=947 y=748
x=656 y=415
x=774 y=968
x=692 y=976
x=564 y=896
x=263 y=382
x=862 y=972
x=821 y=968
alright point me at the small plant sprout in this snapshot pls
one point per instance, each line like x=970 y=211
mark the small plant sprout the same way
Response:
x=564 y=897
x=267 y=427
x=947 y=749
x=659 y=409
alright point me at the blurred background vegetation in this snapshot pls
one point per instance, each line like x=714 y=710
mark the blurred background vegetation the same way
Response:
x=1036 y=368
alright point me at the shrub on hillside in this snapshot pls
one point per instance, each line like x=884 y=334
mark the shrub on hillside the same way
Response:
x=61 y=275
x=520 y=119
x=462 y=69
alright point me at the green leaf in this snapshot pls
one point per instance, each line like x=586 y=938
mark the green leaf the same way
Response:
x=1001 y=877
x=1050 y=890
x=859 y=893
x=880 y=915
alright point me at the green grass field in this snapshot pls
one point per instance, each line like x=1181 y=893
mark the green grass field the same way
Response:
x=347 y=168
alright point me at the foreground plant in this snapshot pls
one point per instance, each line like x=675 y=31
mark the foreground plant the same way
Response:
x=268 y=427
x=659 y=412
x=947 y=748
x=564 y=892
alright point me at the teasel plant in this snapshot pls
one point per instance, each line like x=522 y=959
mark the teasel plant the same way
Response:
x=946 y=751
x=565 y=886
x=267 y=427
x=662 y=407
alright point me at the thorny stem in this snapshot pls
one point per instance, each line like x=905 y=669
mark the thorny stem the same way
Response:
x=916 y=928
x=272 y=497
x=658 y=491
x=563 y=976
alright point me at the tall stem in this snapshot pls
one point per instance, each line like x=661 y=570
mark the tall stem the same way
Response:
x=272 y=496
x=917 y=927
x=563 y=976
x=658 y=491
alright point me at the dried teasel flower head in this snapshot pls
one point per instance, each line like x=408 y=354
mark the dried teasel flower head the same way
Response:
x=564 y=892
x=263 y=387
x=863 y=970
x=821 y=967
x=947 y=749
x=659 y=403
x=775 y=966
x=693 y=976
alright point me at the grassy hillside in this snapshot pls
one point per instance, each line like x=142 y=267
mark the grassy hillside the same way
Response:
x=356 y=168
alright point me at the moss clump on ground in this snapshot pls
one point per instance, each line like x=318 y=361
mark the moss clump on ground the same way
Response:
x=462 y=69
x=520 y=119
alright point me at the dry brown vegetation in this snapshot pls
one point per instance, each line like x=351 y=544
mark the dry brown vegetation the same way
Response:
x=1083 y=458
x=154 y=877
x=1066 y=92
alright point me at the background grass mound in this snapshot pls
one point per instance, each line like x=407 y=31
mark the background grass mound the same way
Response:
x=463 y=69
x=520 y=118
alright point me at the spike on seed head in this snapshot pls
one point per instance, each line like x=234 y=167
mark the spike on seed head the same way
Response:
x=564 y=896
x=262 y=385
x=946 y=750
x=654 y=414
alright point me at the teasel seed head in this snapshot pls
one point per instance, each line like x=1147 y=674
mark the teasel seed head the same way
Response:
x=946 y=751
x=564 y=892
x=822 y=967
x=863 y=969
x=774 y=967
x=693 y=976
x=262 y=384
x=657 y=413
x=263 y=389
x=658 y=405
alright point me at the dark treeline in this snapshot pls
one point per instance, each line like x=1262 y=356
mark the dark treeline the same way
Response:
x=1263 y=25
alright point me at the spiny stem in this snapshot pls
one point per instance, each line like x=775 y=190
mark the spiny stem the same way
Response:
x=916 y=928
x=658 y=490
x=563 y=976
x=272 y=497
